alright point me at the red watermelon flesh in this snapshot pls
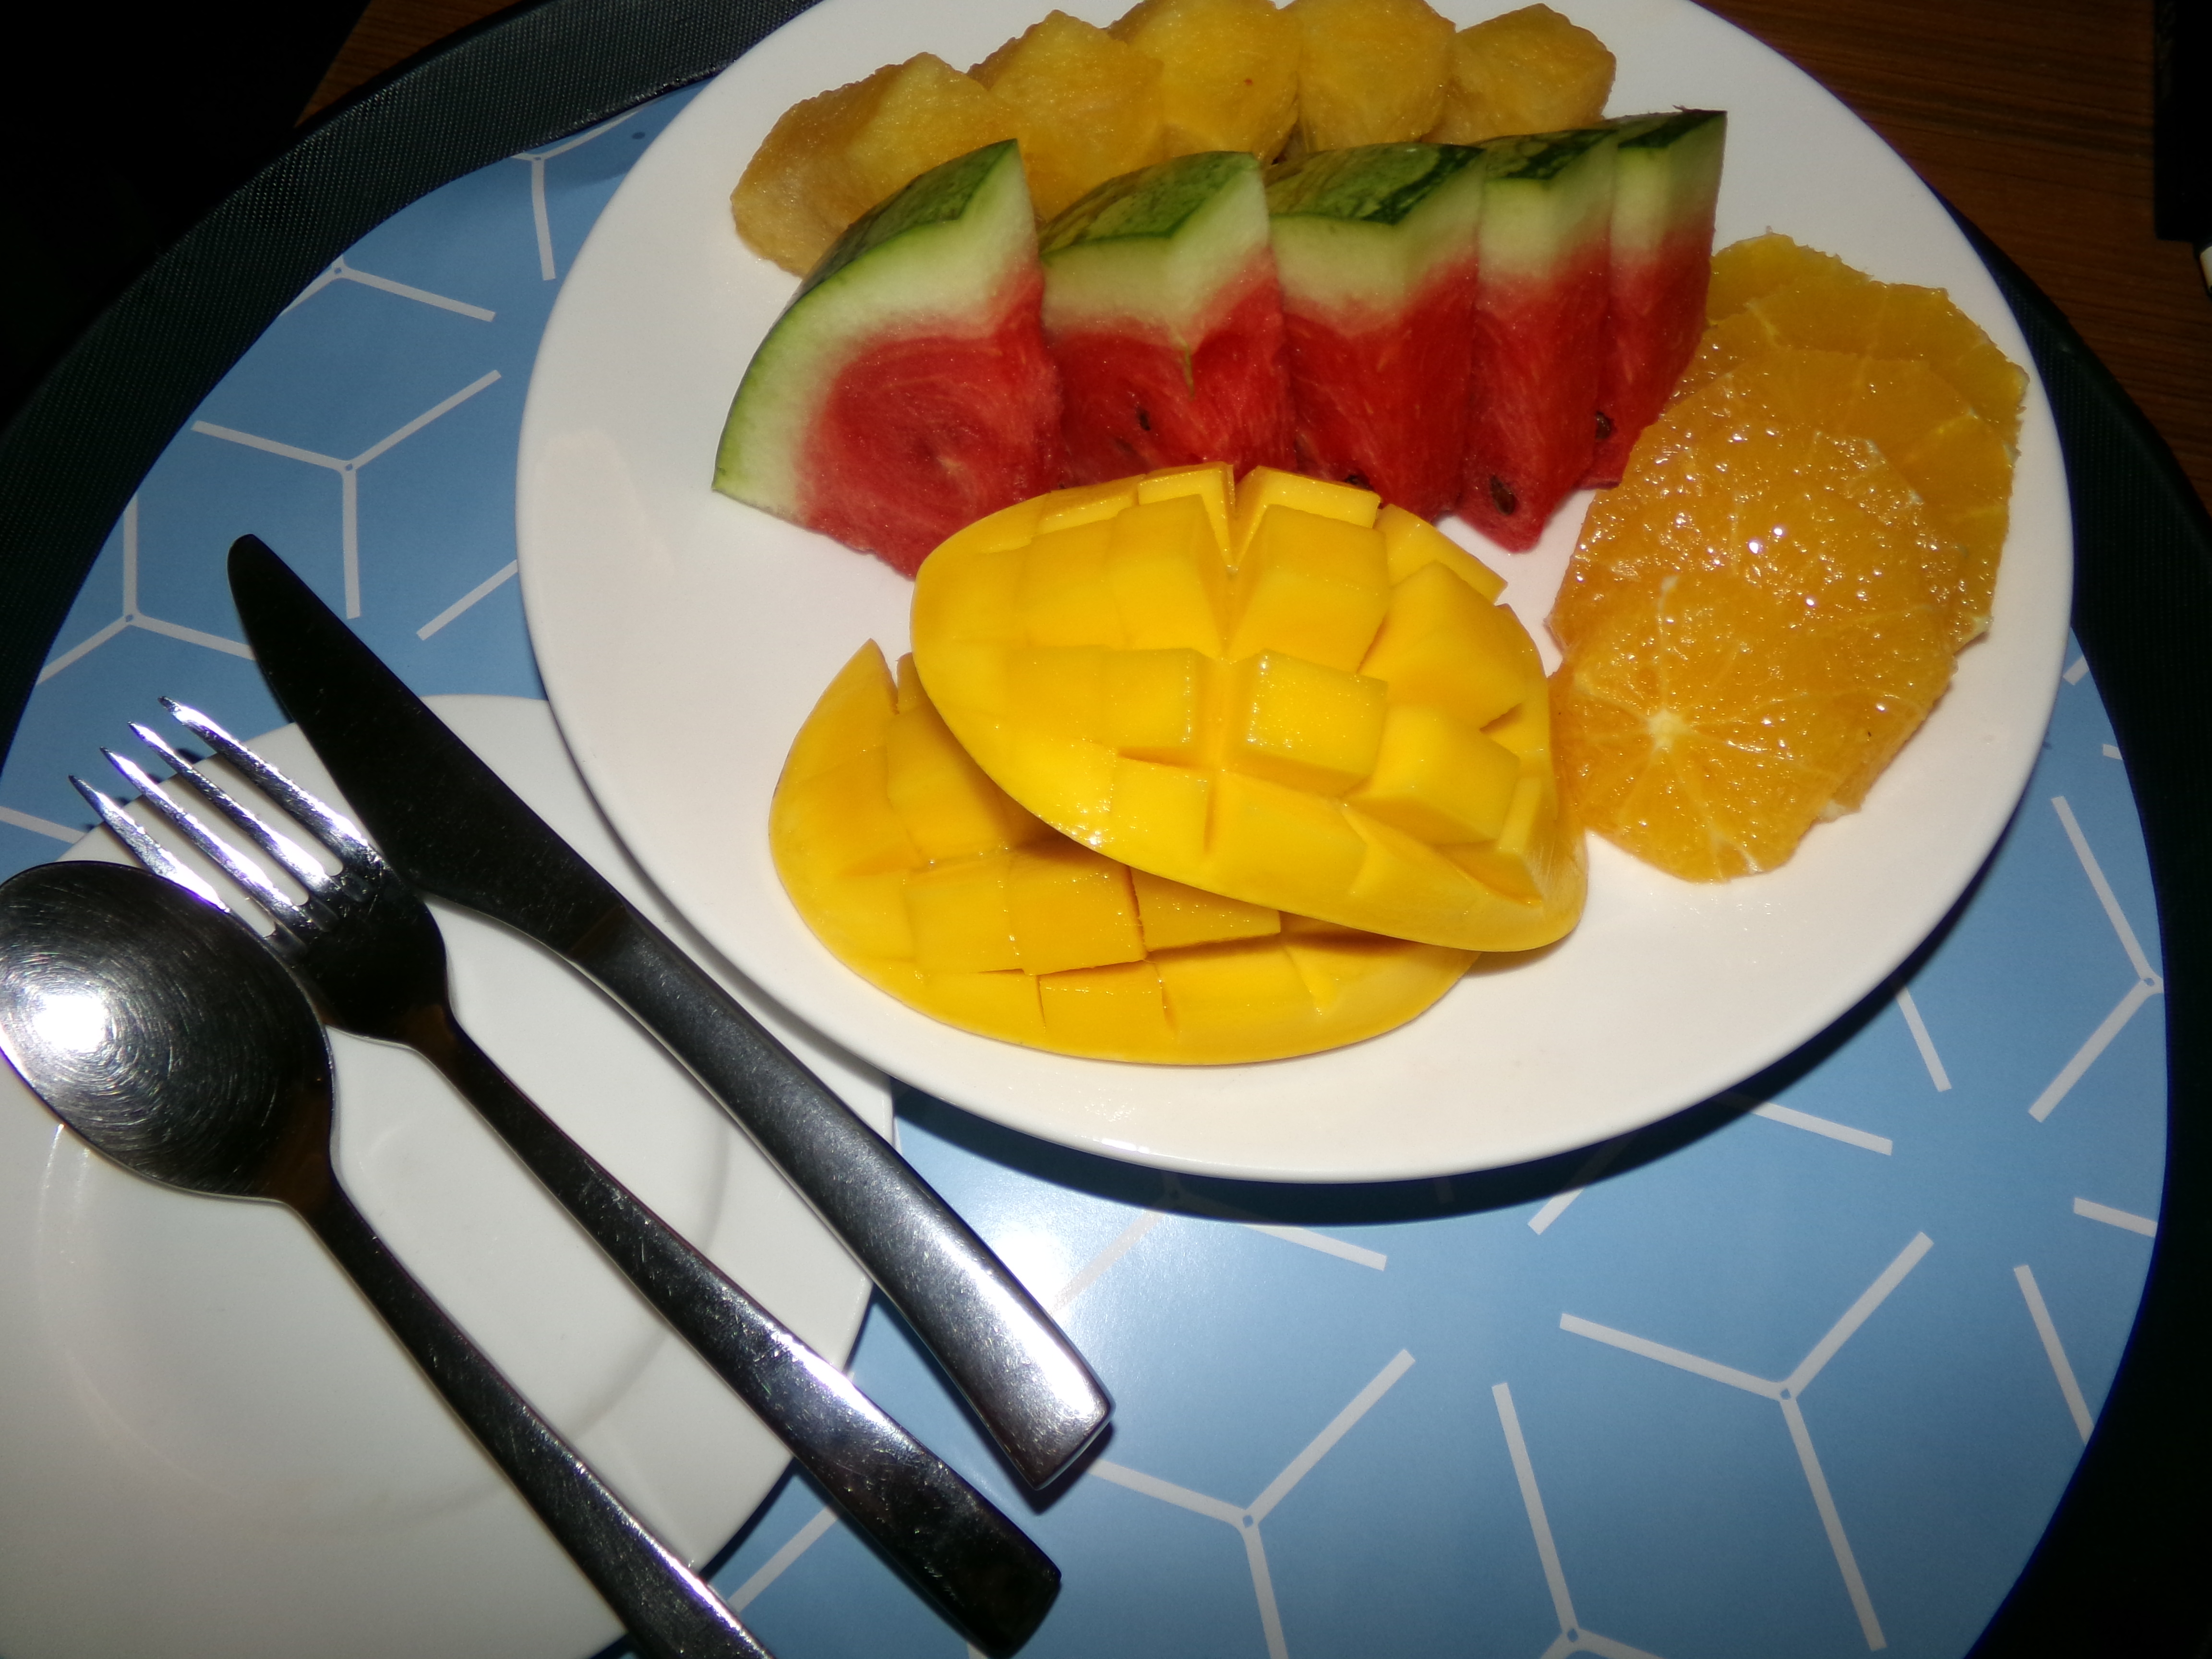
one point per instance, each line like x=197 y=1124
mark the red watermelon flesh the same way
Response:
x=1666 y=185
x=1540 y=308
x=905 y=392
x=1138 y=400
x=1377 y=254
x=920 y=434
x=1162 y=310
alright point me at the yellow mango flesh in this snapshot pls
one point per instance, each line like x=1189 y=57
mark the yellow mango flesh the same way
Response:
x=925 y=877
x=1275 y=693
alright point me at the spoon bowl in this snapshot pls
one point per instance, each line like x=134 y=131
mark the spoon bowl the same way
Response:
x=164 y=1032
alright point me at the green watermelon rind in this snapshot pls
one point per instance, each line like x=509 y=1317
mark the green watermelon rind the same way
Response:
x=1162 y=245
x=1363 y=228
x=934 y=258
x=1666 y=174
x=1546 y=196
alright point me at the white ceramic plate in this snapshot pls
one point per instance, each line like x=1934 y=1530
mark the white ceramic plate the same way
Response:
x=684 y=637
x=210 y=1445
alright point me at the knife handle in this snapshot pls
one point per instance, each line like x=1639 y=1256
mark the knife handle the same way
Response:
x=1033 y=1391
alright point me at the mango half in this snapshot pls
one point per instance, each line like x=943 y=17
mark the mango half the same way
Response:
x=1271 y=691
x=922 y=876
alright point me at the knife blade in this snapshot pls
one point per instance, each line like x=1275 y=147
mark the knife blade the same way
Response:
x=452 y=827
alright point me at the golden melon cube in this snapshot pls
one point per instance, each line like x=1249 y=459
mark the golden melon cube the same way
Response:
x=1264 y=487
x=1410 y=541
x=1316 y=587
x=1106 y=1011
x=1530 y=70
x=830 y=158
x=1442 y=645
x=1265 y=836
x=1228 y=72
x=1070 y=909
x=1438 y=780
x=1159 y=814
x=1169 y=583
x=1152 y=704
x=850 y=717
x=1211 y=482
x=1173 y=915
x=958 y=916
x=1086 y=106
x=946 y=804
x=1370 y=71
x=1065 y=597
x=1298 y=724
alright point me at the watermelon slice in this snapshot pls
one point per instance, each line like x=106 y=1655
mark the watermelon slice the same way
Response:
x=1539 y=329
x=1667 y=181
x=906 y=390
x=1161 y=310
x=1376 y=250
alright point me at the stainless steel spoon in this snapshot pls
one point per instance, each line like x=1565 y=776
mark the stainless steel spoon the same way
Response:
x=164 y=1033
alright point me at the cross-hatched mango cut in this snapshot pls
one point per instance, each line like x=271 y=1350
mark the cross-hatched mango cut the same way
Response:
x=1281 y=692
x=1530 y=70
x=830 y=158
x=921 y=875
x=1087 y=107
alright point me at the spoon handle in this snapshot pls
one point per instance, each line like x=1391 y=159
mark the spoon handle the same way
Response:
x=982 y=1570
x=666 y=1607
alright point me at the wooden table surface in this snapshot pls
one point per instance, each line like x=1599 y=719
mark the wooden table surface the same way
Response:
x=2032 y=116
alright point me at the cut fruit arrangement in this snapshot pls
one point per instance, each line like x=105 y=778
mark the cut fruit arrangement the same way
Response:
x=1185 y=770
x=1439 y=321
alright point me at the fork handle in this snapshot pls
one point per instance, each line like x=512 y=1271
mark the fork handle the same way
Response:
x=1025 y=1379
x=668 y=1609
x=979 y=1568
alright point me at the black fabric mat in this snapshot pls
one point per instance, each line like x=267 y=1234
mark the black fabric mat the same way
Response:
x=2126 y=1563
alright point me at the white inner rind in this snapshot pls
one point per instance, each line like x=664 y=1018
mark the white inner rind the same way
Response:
x=1653 y=190
x=1330 y=267
x=1528 y=224
x=1178 y=281
x=948 y=278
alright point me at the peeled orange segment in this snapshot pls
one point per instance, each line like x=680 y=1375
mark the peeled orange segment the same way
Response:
x=1342 y=725
x=927 y=880
x=1751 y=627
x=1769 y=291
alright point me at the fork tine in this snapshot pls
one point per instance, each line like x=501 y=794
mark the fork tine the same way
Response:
x=332 y=828
x=282 y=847
x=234 y=864
x=143 y=848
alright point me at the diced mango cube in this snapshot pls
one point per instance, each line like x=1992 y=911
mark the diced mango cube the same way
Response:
x=1110 y=1011
x=1064 y=509
x=1070 y=909
x=1301 y=725
x=1521 y=862
x=1403 y=880
x=1410 y=541
x=1065 y=597
x=850 y=717
x=957 y=911
x=1219 y=991
x=1370 y=71
x=1086 y=106
x=998 y=1004
x=1437 y=779
x=1211 y=482
x=1316 y=587
x=848 y=811
x=1173 y=915
x=1265 y=836
x=1152 y=704
x=1168 y=582
x=947 y=804
x=1442 y=645
x=860 y=916
x=1264 y=487
x=1530 y=70
x=1228 y=72
x=1159 y=814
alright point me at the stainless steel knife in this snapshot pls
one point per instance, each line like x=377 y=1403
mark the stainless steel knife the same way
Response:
x=453 y=829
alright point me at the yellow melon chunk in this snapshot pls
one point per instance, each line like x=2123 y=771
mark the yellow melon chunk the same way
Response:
x=1087 y=107
x=1228 y=72
x=1371 y=751
x=1037 y=939
x=830 y=158
x=1530 y=70
x=1370 y=71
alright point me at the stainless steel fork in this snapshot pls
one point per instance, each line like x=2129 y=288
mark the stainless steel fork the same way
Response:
x=368 y=951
